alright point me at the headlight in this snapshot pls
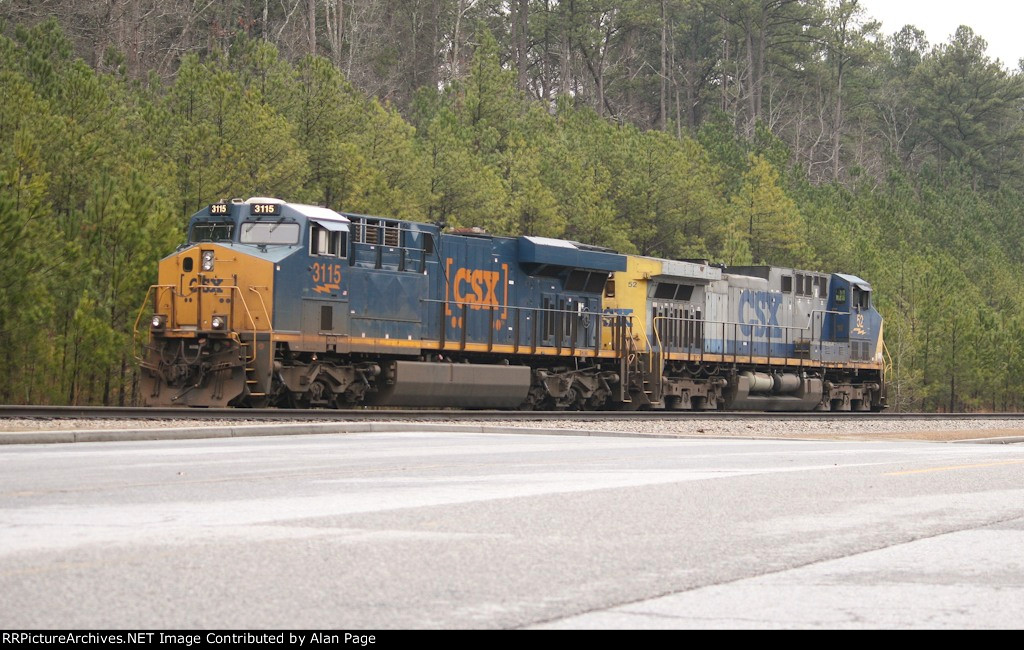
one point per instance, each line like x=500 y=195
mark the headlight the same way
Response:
x=218 y=322
x=158 y=321
x=207 y=260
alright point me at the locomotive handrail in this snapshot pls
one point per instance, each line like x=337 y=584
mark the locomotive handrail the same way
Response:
x=488 y=305
x=245 y=306
x=252 y=321
x=626 y=320
x=886 y=360
x=263 y=304
x=650 y=357
x=459 y=307
x=700 y=342
x=135 y=327
x=233 y=289
x=737 y=324
x=809 y=325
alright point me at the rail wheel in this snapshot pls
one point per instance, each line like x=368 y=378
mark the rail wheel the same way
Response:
x=321 y=395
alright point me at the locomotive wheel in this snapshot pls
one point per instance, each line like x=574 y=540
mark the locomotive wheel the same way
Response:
x=321 y=395
x=573 y=400
x=534 y=399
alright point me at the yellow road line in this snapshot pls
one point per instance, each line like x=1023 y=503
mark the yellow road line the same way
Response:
x=952 y=467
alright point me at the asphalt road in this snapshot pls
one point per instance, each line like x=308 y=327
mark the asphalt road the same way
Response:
x=428 y=530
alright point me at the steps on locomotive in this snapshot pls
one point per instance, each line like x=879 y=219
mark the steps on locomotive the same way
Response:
x=250 y=367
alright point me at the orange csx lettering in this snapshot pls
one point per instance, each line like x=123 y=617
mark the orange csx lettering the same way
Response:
x=476 y=287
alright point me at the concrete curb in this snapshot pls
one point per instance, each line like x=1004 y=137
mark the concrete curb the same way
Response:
x=1007 y=440
x=196 y=433
x=247 y=431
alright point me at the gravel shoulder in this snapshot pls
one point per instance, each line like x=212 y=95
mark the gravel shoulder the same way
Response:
x=944 y=430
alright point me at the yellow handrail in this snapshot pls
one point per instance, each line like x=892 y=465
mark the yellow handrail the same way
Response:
x=650 y=348
x=233 y=289
x=887 y=360
x=135 y=328
x=266 y=313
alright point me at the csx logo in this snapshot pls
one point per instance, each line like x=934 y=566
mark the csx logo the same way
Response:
x=760 y=308
x=207 y=282
x=477 y=289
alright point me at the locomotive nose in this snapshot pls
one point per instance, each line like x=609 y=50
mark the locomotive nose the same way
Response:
x=209 y=328
x=207 y=288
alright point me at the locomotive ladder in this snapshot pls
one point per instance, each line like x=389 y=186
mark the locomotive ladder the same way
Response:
x=643 y=367
x=248 y=344
x=249 y=356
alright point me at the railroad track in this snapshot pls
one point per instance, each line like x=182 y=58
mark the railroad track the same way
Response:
x=141 y=413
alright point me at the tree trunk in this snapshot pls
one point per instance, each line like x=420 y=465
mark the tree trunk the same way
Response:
x=725 y=65
x=952 y=372
x=565 y=86
x=837 y=124
x=662 y=109
x=311 y=16
x=751 y=78
x=521 y=35
x=334 y=22
x=122 y=393
x=435 y=46
x=759 y=76
x=545 y=72
x=454 y=72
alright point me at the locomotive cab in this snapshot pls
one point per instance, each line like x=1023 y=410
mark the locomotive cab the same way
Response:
x=210 y=330
x=852 y=321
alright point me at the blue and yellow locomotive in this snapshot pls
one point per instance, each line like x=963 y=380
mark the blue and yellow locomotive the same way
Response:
x=274 y=303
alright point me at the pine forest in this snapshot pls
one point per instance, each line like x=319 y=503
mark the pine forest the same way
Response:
x=788 y=132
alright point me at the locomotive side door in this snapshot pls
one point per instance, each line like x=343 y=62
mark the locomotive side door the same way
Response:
x=837 y=318
x=186 y=294
x=552 y=312
x=196 y=293
x=326 y=283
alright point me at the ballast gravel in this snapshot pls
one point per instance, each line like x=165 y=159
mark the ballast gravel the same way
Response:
x=688 y=425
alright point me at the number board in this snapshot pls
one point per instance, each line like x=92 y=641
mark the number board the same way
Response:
x=219 y=209
x=265 y=209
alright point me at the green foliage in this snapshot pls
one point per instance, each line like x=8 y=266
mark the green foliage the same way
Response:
x=579 y=177
x=969 y=105
x=884 y=158
x=229 y=142
x=83 y=214
x=362 y=156
x=463 y=191
x=774 y=226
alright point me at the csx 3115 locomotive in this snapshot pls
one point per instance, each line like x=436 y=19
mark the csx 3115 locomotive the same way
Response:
x=274 y=303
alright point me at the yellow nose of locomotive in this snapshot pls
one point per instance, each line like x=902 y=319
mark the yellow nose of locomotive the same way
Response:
x=211 y=319
x=214 y=288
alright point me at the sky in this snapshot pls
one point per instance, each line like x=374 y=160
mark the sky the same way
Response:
x=997 y=21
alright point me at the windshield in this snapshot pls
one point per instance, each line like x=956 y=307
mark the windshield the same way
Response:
x=269 y=232
x=212 y=231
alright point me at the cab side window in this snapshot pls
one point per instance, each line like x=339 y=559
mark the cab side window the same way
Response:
x=862 y=299
x=326 y=243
